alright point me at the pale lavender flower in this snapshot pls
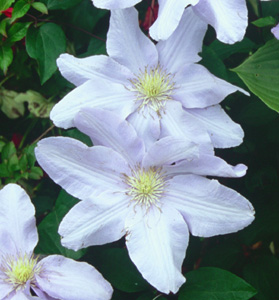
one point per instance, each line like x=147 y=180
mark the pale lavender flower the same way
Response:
x=275 y=31
x=159 y=88
x=153 y=196
x=228 y=17
x=22 y=271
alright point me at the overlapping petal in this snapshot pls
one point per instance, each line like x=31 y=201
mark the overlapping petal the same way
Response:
x=229 y=18
x=198 y=88
x=107 y=129
x=206 y=165
x=95 y=221
x=127 y=44
x=79 y=70
x=208 y=207
x=65 y=279
x=183 y=46
x=18 y=232
x=169 y=16
x=82 y=171
x=224 y=133
x=157 y=243
x=99 y=93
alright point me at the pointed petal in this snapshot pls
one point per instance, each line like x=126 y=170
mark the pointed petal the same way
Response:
x=115 y=4
x=169 y=150
x=127 y=44
x=183 y=46
x=208 y=207
x=198 y=88
x=107 y=129
x=82 y=171
x=99 y=93
x=95 y=221
x=147 y=126
x=17 y=221
x=206 y=165
x=169 y=16
x=224 y=133
x=157 y=242
x=80 y=70
x=66 y=279
x=177 y=122
x=229 y=18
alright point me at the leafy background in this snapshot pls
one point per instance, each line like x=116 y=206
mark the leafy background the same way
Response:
x=239 y=266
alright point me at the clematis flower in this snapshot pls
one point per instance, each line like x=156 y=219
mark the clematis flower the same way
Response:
x=159 y=88
x=228 y=17
x=152 y=197
x=275 y=31
x=22 y=271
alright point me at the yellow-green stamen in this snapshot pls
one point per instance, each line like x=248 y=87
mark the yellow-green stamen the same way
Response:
x=20 y=270
x=153 y=87
x=146 y=187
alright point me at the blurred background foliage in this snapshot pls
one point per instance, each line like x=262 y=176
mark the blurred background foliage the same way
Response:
x=239 y=266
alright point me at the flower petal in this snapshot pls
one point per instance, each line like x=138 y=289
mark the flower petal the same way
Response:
x=198 y=88
x=5 y=288
x=17 y=221
x=147 y=126
x=66 y=279
x=169 y=16
x=177 y=122
x=169 y=150
x=82 y=171
x=79 y=70
x=127 y=44
x=99 y=93
x=208 y=207
x=115 y=4
x=107 y=129
x=95 y=221
x=183 y=46
x=229 y=18
x=224 y=133
x=206 y=165
x=157 y=242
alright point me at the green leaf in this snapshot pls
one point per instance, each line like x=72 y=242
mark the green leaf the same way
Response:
x=6 y=57
x=260 y=72
x=45 y=45
x=39 y=6
x=263 y=22
x=20 y=9
x=49 y=242
x=61 y=4
x=5 y=4
x=17 y=32
x=8 y=150
x=4 y=172
x=38 y=105
x=263 y=274
x=117 y=267
x=214 y=283
x=9 y=106
x=36 y=173
x=3 y=25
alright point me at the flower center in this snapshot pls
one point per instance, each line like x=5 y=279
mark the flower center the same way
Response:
x=20 y=270
x=153 y=87
x=146 y=187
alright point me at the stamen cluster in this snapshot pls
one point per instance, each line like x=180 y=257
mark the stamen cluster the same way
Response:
x=154 y=87
x=146 y=187
x=20 y=270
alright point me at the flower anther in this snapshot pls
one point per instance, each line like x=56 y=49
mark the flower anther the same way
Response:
x=146 y=187
x=20 y=270
x=154 y=87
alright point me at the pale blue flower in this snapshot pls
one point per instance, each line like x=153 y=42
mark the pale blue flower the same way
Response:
x=53 y=277
x=153 y=196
